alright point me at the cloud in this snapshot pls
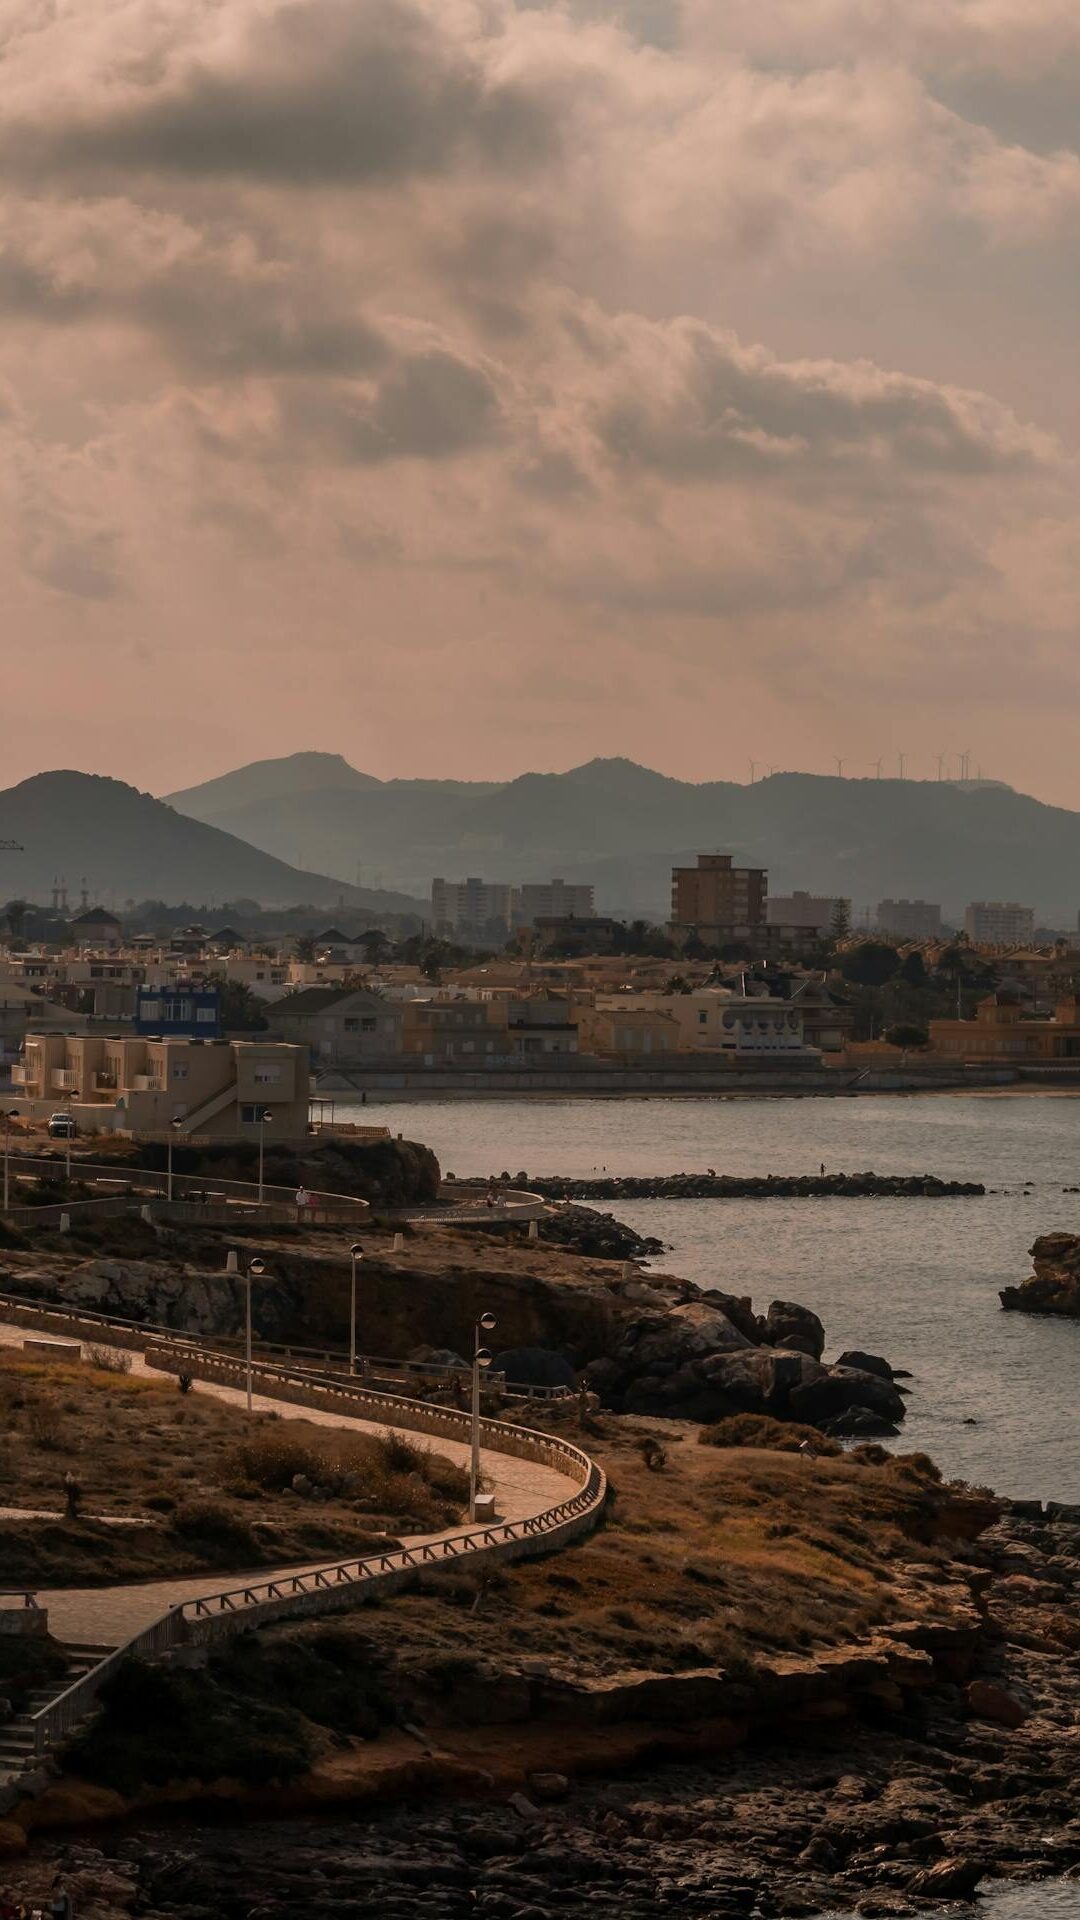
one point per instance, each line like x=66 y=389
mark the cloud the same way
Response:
x=646 y=329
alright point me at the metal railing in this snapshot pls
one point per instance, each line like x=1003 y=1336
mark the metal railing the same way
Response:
x=347 y=1582
x=142 y=1180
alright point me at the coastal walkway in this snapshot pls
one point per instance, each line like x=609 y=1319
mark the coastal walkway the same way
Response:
x=547 y=1494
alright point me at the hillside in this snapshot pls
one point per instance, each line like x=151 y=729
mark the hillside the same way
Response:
x=127 y=845
x=622 y=826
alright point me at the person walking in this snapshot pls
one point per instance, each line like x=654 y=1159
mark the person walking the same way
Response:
x=301 y=1204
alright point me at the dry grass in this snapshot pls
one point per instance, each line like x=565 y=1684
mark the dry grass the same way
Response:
x=216 y=1485
x=725 y=1556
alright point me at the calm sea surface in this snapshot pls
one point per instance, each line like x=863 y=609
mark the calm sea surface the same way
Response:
x=915 y=1280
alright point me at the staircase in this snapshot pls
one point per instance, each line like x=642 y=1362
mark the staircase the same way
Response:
x=17 y=1735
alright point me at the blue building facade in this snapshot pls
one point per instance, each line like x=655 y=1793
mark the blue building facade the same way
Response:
x=187 y=1013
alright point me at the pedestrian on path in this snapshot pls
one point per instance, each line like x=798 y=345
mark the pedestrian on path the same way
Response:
x=72 y=1495
x=301 y=1203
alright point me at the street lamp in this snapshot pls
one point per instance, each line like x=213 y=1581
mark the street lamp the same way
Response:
x=11 y=1114
x=265 y=1116
x=481 y=1358
x=255 y=1272
x=175 y=1123
x=356 y=1254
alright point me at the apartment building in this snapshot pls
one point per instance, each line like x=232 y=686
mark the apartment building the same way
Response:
x=339 y=1026
x=476 y=911
x=806 y=912
x=716 y=900
x=999 y=923
x=553 y=900
x=909 y=919
x=142 y=1086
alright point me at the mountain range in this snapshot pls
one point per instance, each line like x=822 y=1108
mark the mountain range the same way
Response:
x=127 y=845
x=622 y=827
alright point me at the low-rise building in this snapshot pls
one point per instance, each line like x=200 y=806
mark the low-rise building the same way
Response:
x=999 y=923
x=712 y=1019
x=625 y=1029
x=1002 y=1031
x=116 y=1082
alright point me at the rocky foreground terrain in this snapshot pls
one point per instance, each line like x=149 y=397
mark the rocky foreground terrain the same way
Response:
x=1054 y=1287
x=899 y=1802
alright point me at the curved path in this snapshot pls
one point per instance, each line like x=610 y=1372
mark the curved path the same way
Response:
x=111 y=1615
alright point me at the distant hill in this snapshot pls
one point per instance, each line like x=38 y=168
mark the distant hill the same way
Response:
x=622 y=826
x=270 y=779
x=128 y=845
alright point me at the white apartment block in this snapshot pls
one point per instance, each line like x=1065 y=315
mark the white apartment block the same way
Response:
x=477 y=910
x=999 y=923
x=811 y=911
x=552 y=900
x=909 y=919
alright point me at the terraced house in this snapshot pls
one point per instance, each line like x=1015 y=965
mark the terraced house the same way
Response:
x=339 y=1026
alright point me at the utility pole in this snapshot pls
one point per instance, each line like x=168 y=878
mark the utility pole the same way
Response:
x=753 y=765
x=902 y=757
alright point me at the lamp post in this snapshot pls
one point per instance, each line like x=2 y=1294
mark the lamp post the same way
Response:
x=255 y=1272
x=356 y=1254
x=264 y=1118
x=11 y=1114
x=481 y=1358
x=175 y=1125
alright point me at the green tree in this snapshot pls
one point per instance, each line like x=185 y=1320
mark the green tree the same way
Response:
x=375 y=945
x=913 y=969
x=840 y=922
x=907 y=1036
x=871 y=964
x=241 y=1010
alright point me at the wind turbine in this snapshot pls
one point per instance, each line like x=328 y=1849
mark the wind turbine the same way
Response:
x=902 y=757
x=753 y=765
x=839 y=768
x=877 y=765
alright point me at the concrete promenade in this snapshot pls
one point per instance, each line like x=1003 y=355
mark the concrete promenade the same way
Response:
x=108 y=1616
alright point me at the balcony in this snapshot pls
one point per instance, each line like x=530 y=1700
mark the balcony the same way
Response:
x=105 y=1083
x=148 y=1083
x=23 y=1076
x=64 y=1080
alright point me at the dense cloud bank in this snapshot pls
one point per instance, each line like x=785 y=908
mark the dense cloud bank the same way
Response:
x=558 y=344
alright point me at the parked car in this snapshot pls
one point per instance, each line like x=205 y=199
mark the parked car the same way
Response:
x=62 y=1126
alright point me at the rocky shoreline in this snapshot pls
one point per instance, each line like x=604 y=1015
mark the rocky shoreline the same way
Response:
x=725 y=1186
x=1054 y=1287
x=897 y=1800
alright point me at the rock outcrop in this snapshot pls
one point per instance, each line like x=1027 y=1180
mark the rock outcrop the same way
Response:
x=1054 y=1287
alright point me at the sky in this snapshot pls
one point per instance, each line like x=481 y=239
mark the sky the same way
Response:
x=468 y=386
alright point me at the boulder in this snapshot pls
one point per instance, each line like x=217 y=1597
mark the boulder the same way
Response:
x=789 y=1325
x=990 y=1702
x=839 y=1390
x=949 y=1879
x=866 y=1363
x=1054 y=1287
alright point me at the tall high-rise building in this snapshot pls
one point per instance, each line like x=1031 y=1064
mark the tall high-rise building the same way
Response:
x=909 y=919
x=472 y=910
x=998 y=923
x=552 y=900
x=812 y=912
x=717 y=899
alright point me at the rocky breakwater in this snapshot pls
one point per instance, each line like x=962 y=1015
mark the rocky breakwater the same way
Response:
x=712 y=1355
x=1054 y=1287
x=770 y=1186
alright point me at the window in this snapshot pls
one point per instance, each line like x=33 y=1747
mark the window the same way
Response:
x=267 y=1076
x=249 y=1115
x=352 y=1026
x=368 y=1024
x=179 y=1073
x=703 y=1018
x=206 y=1014
x=151 y=1010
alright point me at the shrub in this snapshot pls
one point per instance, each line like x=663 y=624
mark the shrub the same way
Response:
x=760 y=1430
x=108 y=1359
x=213 y=1531
x=44 y=1425
x=159 y=1724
